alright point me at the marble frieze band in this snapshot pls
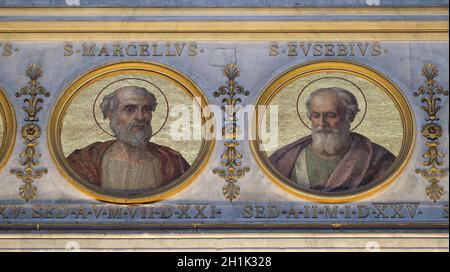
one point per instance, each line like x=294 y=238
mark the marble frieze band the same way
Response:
x=276 y=118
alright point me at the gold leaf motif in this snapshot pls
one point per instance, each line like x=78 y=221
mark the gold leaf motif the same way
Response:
x=30 y=133
x=231 y=71
x=435 y=191
x=33 y=90
x=231 y=191
x=432 y=131
x=430 y=71
x=27 y=191
x=231 y=156
x=430 y=91
x=433 y=154
x=34 y=72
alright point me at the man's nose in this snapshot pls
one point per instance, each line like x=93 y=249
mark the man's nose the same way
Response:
x=322 y=122
x=139 y=115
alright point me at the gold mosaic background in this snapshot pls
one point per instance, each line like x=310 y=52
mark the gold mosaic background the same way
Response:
x=382 y=123
x=79 y=127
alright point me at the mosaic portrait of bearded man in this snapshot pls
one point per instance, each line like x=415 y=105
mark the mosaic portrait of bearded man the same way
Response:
x=130 y=162
x=332 y=158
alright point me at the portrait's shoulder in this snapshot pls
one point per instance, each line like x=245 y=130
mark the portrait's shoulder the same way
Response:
x=378 y=151
x=297 y=144
x=381 y=151
x=97 y=147
x=163 y=149
x=169 y=157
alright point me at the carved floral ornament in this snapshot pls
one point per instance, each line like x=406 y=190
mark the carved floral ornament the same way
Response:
x=432 y=131
x=30 y=133
x=231 y=157
x=430 y=93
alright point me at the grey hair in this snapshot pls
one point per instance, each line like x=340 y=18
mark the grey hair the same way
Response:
x=348 y=101
x=110 y=102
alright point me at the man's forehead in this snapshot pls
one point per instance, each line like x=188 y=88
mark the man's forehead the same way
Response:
x=325 y=100
x=129 y=97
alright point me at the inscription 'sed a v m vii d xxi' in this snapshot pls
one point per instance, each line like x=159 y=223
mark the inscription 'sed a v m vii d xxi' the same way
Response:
x=125 y=144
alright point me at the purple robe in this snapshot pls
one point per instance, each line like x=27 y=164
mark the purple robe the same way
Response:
x=364 y=163
x=87 y=162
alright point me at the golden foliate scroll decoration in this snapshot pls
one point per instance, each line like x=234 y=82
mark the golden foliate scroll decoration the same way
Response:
x=30 y=134
x=231 y=158
x=432 y=131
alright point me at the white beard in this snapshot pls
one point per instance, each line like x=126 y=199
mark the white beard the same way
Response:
x=124 y=134
x=331 y=142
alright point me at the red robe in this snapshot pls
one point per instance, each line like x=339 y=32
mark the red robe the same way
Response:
x=87 y=162
x=364 y=163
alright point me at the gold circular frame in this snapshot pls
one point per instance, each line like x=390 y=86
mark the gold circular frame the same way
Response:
x=361 y=71
x=113 y=69
x=9 y=132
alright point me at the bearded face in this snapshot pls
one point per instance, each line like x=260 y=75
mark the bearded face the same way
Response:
x=330 y=123
x=331 y=141
x=134 y=133
x=131 y=116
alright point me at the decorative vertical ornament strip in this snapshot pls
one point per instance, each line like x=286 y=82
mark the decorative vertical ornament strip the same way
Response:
x=432 y=131
x=231 y=158
x=30 y=133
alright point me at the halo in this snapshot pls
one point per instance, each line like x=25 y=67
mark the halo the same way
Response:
x=123 y=79
x=332 y=77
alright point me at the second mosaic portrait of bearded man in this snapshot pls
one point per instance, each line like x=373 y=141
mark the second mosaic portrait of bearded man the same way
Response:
x=344 y=137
